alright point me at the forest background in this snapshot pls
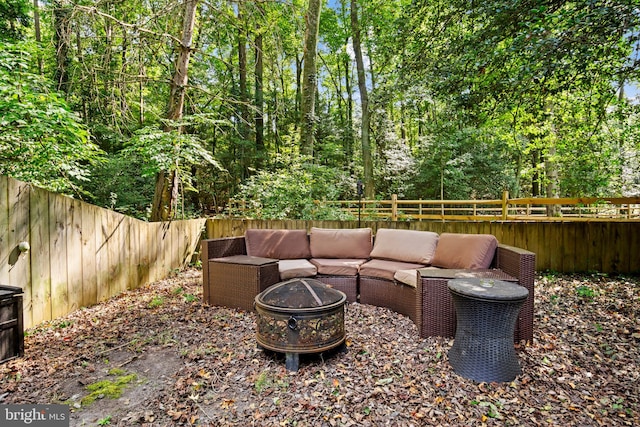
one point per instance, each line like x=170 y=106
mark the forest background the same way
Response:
x=165 y=108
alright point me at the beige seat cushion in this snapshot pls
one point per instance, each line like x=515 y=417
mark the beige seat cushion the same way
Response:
x=278 y=244
x=465 y=251
x=292 y=268
x=405 y=245
x=385 y=269
x=349 y=243
x=337 y=267
x=408 y=277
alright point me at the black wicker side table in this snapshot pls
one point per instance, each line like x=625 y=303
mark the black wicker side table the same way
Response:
x=486 y=315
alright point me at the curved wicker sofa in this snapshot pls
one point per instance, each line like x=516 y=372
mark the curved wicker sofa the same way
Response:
x=404 y=270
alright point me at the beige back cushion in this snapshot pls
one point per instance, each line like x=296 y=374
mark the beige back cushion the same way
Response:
x=467 y=251
x=405 y=245
x=278 y=244
x=340 y=243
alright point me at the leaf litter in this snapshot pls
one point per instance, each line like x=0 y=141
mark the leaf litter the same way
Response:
x=195 y=364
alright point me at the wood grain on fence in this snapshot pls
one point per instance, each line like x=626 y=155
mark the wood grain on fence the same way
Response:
x=82 y=254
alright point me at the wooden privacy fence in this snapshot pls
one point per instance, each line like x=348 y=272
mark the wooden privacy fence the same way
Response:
x=528 y=209
x=602 y=246
x=81 y=254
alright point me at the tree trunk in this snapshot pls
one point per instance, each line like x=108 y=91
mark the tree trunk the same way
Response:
x=165 y=198
x=369 y=190
x=309 y=78
x=36 y=27
x=243 y=123
x=259 y=104
x=62 y=39
x=298 y=91
x=349 y=133
x=551 y=166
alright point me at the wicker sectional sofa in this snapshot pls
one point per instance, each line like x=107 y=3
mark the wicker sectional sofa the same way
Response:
x=404 y=270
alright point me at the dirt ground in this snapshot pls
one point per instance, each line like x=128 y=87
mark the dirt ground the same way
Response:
x=165 y=358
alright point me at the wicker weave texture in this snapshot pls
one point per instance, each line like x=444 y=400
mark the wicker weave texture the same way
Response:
x=520 y=264
x=395 y=296
x=483 y=348
x=438 y=312
x=346 y=284
x=236 y=285
x=218 y=248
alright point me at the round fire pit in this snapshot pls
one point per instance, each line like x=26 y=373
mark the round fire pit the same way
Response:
x=300 y=316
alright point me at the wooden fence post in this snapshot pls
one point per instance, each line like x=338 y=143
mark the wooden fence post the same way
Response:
x=505 y=204
x=394 y=207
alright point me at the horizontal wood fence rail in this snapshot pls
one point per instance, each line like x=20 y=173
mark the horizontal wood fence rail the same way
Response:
x=531 y=209
x=563 y=246
x=81 y=254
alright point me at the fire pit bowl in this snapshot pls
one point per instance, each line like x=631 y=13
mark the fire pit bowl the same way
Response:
x=300 y=316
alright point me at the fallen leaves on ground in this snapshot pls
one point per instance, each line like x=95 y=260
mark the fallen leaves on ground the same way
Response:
x=199 y=365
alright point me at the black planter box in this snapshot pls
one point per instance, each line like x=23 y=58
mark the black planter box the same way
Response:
x=11 y=323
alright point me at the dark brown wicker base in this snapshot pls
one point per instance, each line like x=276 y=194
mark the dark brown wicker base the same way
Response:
x=235 y=281
x=346 y=284
x=438 y=311
x=483 y=349
x=396 y=296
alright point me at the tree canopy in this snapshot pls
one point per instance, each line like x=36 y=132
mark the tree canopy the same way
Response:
x=196 y=103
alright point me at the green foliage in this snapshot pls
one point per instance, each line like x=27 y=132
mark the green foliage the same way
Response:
x=111 y=389
x=462 y=164
x=585 y=292
x=42 y=141
x=118 y=185
x=467 y=99
x=14 y=18
x=167 y=151
x=105 y=421
x=293 y=192
x=156 y=302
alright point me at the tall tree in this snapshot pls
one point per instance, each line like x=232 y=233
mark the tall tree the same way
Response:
x=309 y=78
x=369 y=189
x=167 y=182
x=259 y=100
x=61 y=13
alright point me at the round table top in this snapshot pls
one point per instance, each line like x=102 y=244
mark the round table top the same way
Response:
x=488 y=289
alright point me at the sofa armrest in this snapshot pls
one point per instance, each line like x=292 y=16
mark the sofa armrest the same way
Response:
x=223 y=247
x=220 y=248
x=518 y=263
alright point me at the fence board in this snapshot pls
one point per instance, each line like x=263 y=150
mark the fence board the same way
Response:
x=73 y=226
x=133 y=253
x=121 y=251
x=144 y=264
x=634 y=249
x=569 y=243
x=40 y=257
x=102 y=257
x=611 y=259
x=4 y=231
x=582 y=246
x=19 y=267
x=596 y=237
x=89 y=272
x=58 y=256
